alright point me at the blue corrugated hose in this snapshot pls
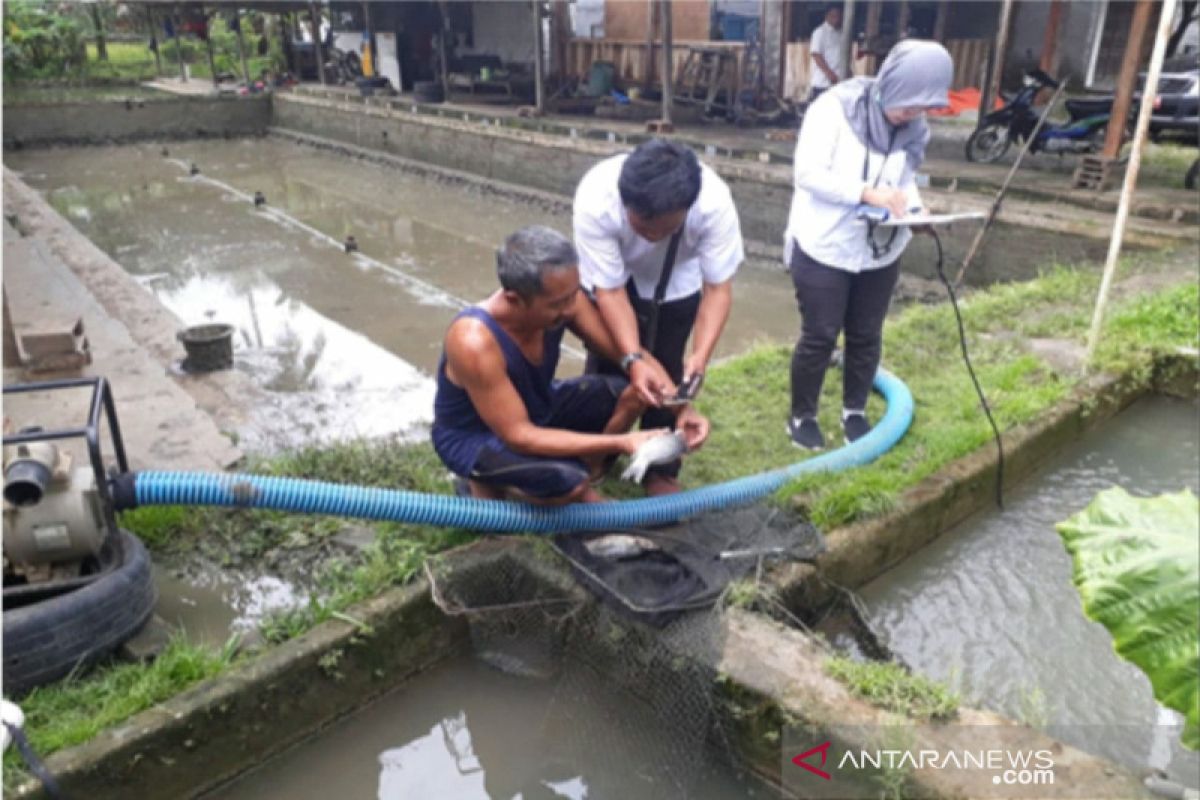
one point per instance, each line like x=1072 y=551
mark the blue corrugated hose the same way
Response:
x=503 y=516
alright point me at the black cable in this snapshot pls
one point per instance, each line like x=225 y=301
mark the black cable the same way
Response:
x=962 y=340
x=33 y=762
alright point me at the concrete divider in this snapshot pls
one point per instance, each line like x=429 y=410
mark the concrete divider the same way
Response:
x=104 y=121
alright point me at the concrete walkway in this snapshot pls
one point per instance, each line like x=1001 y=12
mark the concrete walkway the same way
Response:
x=162 y=425
x=1042 y=177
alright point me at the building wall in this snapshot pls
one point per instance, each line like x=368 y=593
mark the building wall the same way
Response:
x=627 y=20
x=1074 y=40
x=502 y=29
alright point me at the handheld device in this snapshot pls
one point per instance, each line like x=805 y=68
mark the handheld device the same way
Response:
x=688 y=389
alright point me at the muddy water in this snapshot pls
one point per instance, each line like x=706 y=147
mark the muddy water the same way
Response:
x=990 y=606
x=211 y=606
x=345 y=342
x=465 y=731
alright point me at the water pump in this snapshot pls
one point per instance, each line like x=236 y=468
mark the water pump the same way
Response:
x=58 y=517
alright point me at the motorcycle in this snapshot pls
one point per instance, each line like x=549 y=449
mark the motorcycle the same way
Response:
x=1084 y=132
x=341 y=66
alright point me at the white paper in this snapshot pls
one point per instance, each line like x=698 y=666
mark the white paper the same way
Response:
x=931 y=219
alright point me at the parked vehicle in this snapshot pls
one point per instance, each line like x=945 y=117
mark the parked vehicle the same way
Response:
x=342 y=66
x=1176 y=105
x=1083 y=132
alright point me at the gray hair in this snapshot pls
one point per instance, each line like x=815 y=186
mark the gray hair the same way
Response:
x=529 y=254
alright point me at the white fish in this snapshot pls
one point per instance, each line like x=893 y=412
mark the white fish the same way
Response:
x=619 y=545
x=659 y=450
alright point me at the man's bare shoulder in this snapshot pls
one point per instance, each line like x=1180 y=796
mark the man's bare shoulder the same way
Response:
x=470 y=345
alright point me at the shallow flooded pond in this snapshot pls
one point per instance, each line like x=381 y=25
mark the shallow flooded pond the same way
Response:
x=465 y=730
x=347 y=341
x=990 y=607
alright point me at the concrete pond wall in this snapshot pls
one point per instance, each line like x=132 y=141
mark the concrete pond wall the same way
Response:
x=100 y=122
x=770 y=695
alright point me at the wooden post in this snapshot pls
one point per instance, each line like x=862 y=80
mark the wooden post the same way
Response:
x=1049 y=60
x=539 y=89
x=941 y=20
x=648 y=61
x=1135 y=156
x=241 y=46
x=1048 y=63
x=996 y=63
x=443 y=49
x=287 y=32
x=158 y=45
x=178 y=47
x=995 y=71
x=98 y=24
x=668 y=67
x=560 y=39
x=785 y=34
x=845 y=69
x=903 y=17
x=874 y=12
x=318 y=50
x=208 y=46
x=1127 y=78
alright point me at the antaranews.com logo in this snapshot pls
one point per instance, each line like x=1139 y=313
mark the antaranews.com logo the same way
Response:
x=1008 y=767
x=983 y=761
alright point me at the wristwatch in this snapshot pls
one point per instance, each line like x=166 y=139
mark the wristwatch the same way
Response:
x=628 y=359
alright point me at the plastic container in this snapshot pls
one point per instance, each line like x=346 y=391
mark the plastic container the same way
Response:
x=209 y=347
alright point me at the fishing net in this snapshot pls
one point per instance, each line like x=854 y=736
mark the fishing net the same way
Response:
x=633 y=707
x=517 y=615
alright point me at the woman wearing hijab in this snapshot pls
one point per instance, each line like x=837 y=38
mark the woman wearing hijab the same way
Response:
x=860 y=144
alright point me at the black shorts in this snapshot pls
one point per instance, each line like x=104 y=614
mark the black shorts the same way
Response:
x=584 y=405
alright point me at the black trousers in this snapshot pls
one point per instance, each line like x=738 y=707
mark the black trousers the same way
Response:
x=675 y=321
x=832 y=301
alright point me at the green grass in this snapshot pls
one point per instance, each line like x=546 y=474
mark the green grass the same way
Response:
x=747 y=398
x=891 y=687
x=76 y=709
x=1165 y=163
x=71 y=712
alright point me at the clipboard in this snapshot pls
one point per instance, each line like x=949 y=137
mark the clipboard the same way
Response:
x=916 y=220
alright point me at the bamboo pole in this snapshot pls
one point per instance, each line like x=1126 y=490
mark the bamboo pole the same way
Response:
x=995 y=209
x=1131 y=172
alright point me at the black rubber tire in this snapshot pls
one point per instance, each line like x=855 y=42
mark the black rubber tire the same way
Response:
x=428 y=92
x=974 y=148
x=47 y=640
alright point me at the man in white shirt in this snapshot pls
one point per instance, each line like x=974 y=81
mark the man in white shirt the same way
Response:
x=659 y=243
x=825 y=53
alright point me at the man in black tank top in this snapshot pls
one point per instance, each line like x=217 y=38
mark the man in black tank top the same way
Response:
x=501 y=421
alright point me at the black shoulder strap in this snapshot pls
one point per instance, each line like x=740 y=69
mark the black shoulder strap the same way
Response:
x=660 y=291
